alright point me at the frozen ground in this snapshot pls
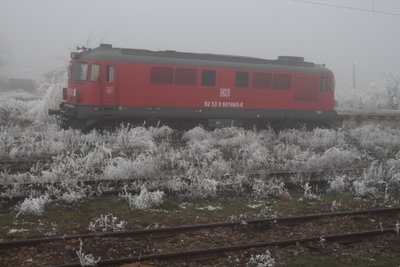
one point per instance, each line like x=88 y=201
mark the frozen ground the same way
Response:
x=195 y=164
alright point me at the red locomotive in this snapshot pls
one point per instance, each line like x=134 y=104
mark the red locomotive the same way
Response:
x=113 y=85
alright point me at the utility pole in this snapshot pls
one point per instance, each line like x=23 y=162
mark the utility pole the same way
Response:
x=354 y=75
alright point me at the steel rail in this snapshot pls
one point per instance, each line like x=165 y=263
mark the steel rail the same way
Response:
x=216 y=250
x=253 y=174
x=115 y=183
x=154 y=231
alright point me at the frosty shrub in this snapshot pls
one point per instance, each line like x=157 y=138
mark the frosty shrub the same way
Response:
x=335 y=205
x=33 y=205
x=289 y=157
x=323 y=139
x=333 y=158
x=107 y=222
x=51 y=99
x=236 y=184
x=341 y=183
x=145 y=200
x=219 y=168
x=133 y=140
x=307 y=194
x=72 y=196
x=175 y=185
x=66 y=168
x=380 y=141
x=261 y=260
x=364 y=188
x=33 y=141
x=384 y=94
x=119 y=168
x=161 y=133
x=202 y=188
x=372 y=183
x=268 y=187
x=144 y=165
x=196 y=134
x=215 y=170
x=267 y=212
x=84 y=258
x=23 y=106
x=94 y=161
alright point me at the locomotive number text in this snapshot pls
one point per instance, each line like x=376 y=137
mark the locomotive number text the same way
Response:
x=222 y=104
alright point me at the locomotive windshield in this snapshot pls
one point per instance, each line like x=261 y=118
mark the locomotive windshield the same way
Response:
x=79 y=71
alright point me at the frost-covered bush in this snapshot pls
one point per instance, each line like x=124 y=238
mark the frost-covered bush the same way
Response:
x=197 y=163
x=323 y=139
x=308 y=194
x=267 y=212
x=372 y=183
x=382 y=142
x=383 y=94
x=86 y=259
x=340 y=183
x=33 y=205
x=268 y=187
x=145 y=200
x=32 y=107
x=131 y=141
x=196 y=134
x=143 y=166
x=202 y=188
x=107 y=222
x=261 y=260
x=69 y=167
x=94 y=160
x=72 y=195
x=333 y=158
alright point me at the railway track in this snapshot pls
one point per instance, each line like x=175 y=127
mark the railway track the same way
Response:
x=353 y=118
x=192 y=254
x=260 y=230
x=115 y=187
x=13 y=166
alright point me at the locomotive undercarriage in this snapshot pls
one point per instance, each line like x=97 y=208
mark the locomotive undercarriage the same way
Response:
x=85 y=117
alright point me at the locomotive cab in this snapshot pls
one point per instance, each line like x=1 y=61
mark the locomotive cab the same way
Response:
x=91 y=83
x=91 y=94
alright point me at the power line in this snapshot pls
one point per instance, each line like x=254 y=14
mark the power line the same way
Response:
x=373 y=10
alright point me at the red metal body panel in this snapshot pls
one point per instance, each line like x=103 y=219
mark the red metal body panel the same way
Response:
x=132 y=87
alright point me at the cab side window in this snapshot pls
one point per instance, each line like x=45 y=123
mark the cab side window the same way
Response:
x=80 y=71
x=110 y=70
x=95 y=73
x=323 y=84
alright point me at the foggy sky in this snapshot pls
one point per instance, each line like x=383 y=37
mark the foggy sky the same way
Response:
x=39 y=34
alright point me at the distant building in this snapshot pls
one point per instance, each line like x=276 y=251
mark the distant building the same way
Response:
x=24 y=84
x=55 y=76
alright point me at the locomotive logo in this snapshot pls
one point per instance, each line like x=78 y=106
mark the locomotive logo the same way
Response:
x=225 y=92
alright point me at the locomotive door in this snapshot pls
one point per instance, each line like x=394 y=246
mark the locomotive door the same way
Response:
x=306 y=88
x=109 y=86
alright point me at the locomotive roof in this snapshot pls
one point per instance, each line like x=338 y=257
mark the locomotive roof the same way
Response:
x=107 y=53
